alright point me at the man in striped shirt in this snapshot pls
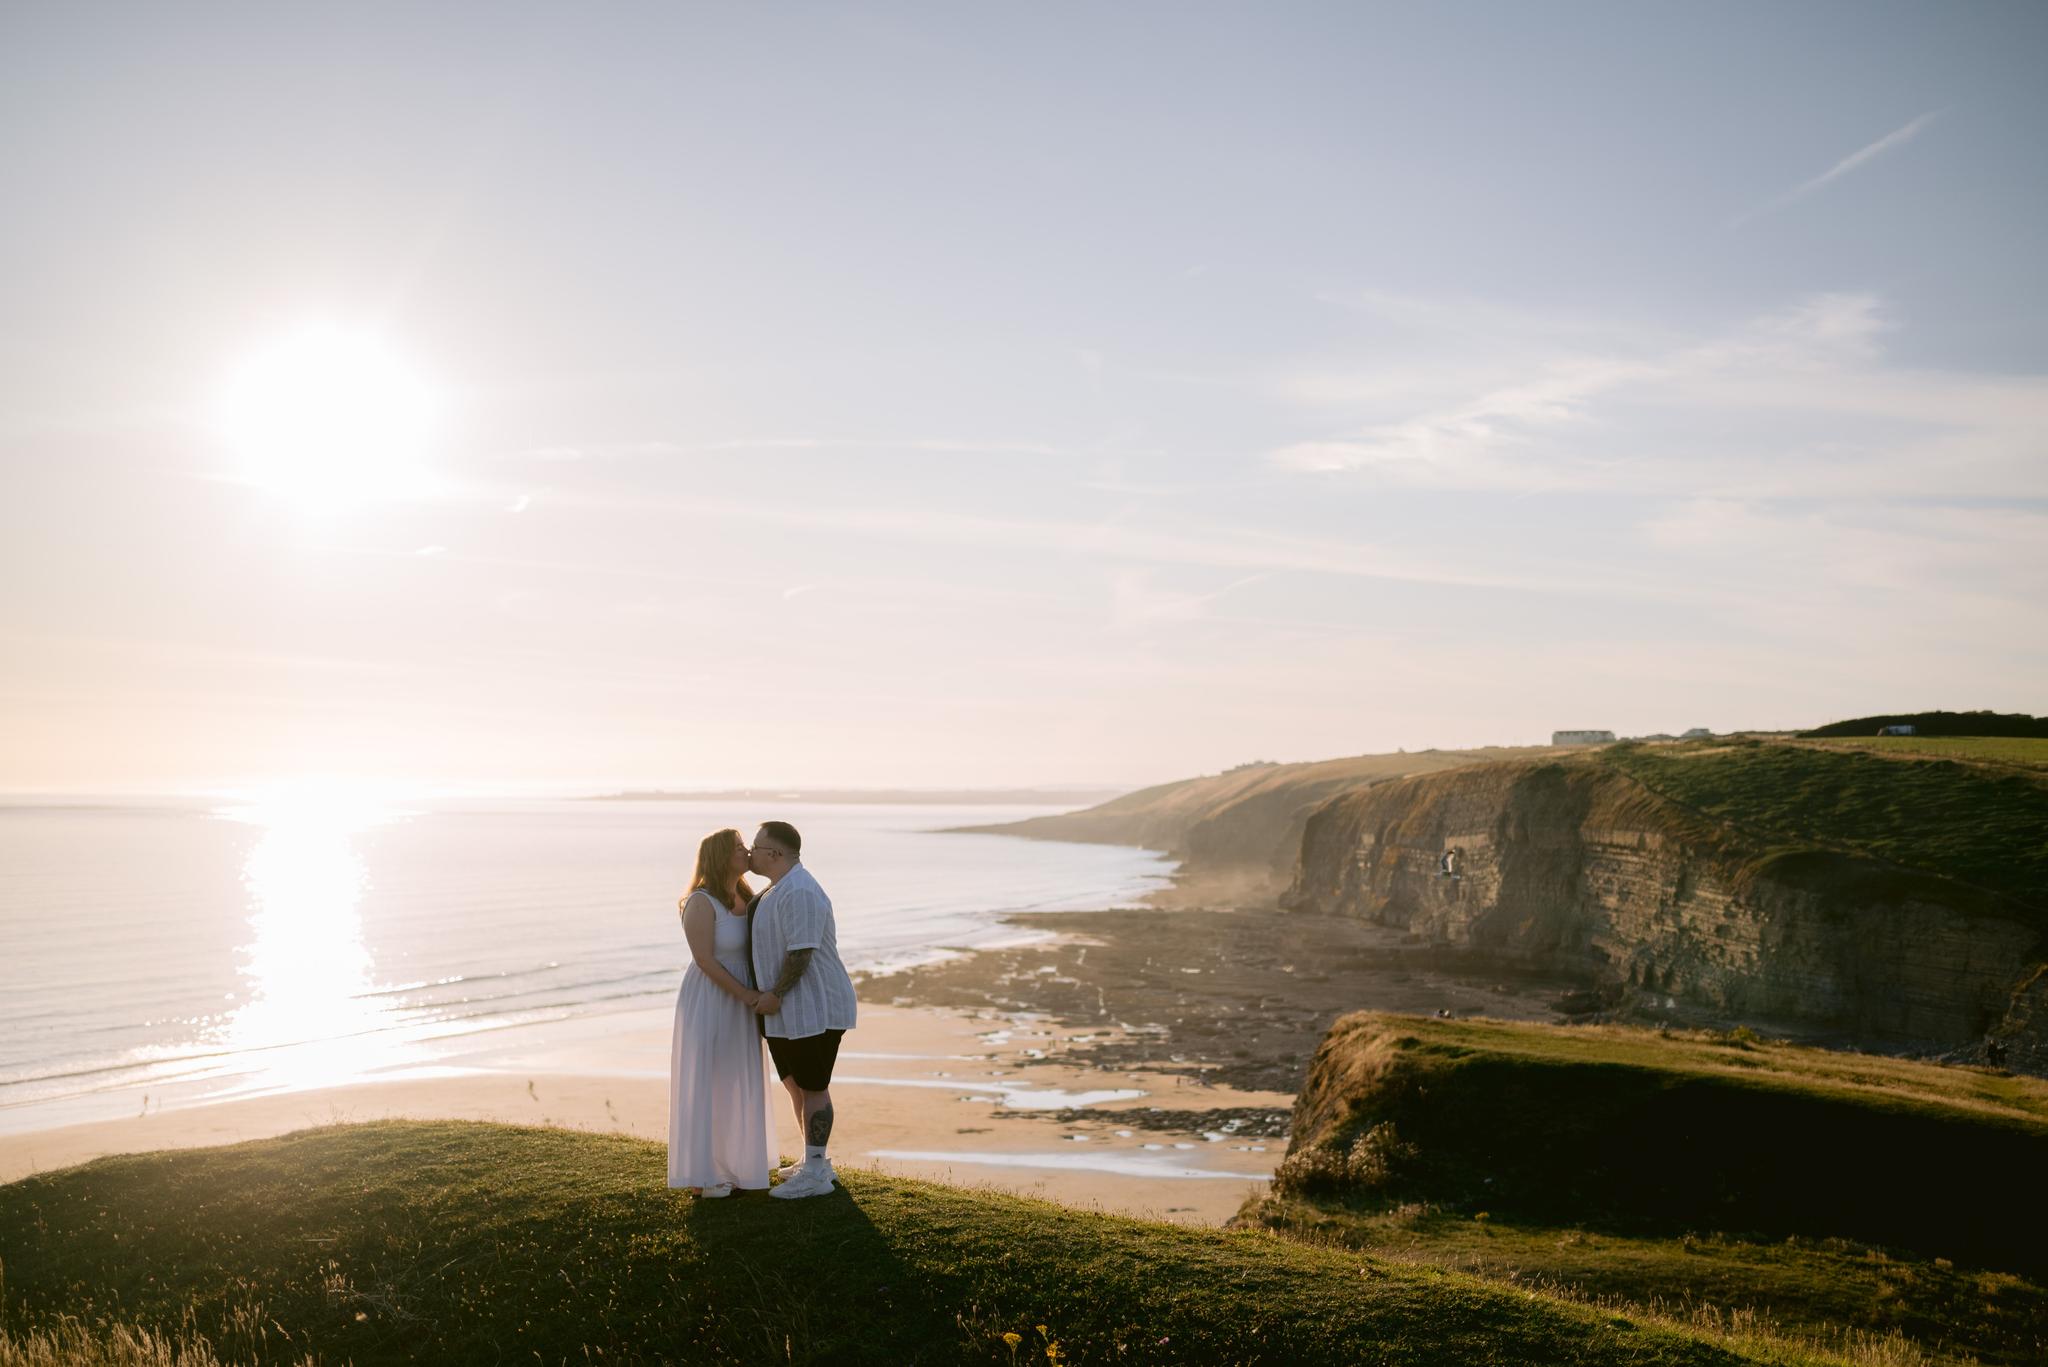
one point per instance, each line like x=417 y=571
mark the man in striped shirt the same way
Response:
x=809 y=1002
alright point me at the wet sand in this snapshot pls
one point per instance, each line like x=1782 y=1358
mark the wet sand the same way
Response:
x=1236 y=997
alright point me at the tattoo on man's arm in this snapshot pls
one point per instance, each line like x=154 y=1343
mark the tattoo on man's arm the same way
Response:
x=820 y=1127
x=792 y=969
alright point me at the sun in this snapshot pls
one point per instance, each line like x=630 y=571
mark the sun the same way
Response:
x=329 y=417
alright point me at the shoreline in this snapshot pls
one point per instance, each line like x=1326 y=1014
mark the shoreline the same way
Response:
x=947 y=1095
x=1219 y=997
x=1137 y=1060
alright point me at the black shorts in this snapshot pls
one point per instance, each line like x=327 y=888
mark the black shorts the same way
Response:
x=808 y=1059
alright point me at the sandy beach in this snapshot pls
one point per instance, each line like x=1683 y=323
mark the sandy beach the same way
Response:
x=1140 y=1060
x=956 y=1096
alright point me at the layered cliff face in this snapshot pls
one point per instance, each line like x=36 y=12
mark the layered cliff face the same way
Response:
x=1248 y=820
x=1578 y=863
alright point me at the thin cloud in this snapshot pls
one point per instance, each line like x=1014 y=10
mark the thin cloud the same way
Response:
x=1898 y=137
x=1456 y=435
x=940 y=445
x=553 y=453
x=1790 y=403
x=628 y=450
x=1137 y=602
x=1185 y=543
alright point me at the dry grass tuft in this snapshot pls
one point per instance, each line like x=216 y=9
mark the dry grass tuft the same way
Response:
x=73 y=1343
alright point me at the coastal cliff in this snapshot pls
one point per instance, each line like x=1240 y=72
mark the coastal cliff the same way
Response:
x=1580 y=863
x=1245 y=821
x=1824 y=1191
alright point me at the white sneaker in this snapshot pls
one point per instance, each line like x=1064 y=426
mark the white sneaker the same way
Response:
x=789 y=1170
x=807 y=1182
x=714 y=1192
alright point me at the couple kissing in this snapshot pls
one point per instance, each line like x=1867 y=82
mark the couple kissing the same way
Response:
x=763 y=967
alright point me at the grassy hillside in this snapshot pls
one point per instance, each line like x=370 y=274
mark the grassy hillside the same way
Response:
x=2029 y=752
x=1248 y=817
x=1941 y=724
x=457 y=1242
x=1876 y=1305
x=1985 y=825
x=1829 y=1189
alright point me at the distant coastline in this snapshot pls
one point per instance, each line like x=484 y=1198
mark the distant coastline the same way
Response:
x=951 y=797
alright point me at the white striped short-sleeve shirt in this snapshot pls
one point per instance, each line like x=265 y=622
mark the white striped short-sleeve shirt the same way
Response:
x=796 y=914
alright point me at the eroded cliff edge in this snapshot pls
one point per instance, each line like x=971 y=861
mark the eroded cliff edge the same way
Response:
x=1575 y=863
x=1245 y=822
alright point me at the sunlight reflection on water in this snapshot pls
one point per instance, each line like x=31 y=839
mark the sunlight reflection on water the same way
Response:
x=324 y=931
x=307 y=967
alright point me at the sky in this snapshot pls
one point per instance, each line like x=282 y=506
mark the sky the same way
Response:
x=974 y=395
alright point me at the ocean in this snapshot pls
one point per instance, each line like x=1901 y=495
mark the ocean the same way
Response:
x=173 y=953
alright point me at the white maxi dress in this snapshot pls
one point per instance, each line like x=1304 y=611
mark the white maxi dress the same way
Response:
x=718 y=1119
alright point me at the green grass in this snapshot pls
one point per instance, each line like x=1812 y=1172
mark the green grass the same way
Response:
x=69 y=1343
x=1829 y=1193
x=2029 y=751
x=1940 y=724
x=1741 y=1056
x=1853 y=1298
x=1625 y=1130
x=1985 y=826
x=460 y=1242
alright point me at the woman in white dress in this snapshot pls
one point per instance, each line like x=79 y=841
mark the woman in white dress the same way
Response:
x=718 y=1124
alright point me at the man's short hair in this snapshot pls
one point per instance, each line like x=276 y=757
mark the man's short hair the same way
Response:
x=784 y=834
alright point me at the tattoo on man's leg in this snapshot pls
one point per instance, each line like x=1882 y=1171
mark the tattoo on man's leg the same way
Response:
x=820 y=1128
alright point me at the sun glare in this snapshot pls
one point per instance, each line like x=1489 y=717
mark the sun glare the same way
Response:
x=329 y=418
x=312 y=1016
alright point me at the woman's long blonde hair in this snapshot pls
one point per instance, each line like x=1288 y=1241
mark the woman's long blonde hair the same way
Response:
x=714 y=857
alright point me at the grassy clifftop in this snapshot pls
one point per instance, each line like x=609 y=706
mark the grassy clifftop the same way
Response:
x=1627 y=1125
x=1828 y=1191
x=459 y=1242
x=1974 y=810
x=1985 y=824
x=1941 y=724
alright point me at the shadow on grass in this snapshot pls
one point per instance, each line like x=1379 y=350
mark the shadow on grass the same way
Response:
x=406 y=1241
x=798 y=1276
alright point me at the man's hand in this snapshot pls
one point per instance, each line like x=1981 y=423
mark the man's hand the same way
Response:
x=767 y=1004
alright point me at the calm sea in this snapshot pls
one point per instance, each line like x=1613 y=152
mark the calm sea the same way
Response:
x=187 y=952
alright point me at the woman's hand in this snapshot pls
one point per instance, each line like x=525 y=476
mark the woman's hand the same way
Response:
x=768 y=1003
x=752 y=999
